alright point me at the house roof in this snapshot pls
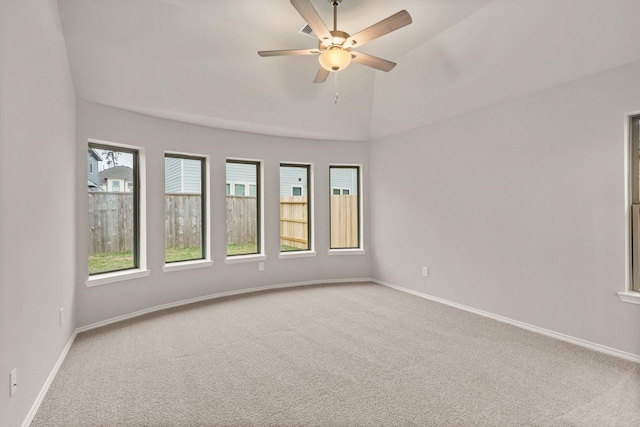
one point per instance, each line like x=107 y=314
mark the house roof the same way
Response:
x=196 y=61
x=116 y=172
x=95 y=154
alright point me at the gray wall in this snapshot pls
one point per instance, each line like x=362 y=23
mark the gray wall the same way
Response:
x=37 y=230
x=518 y=209
x=107 y=301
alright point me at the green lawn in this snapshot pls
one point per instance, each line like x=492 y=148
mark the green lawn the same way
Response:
x=102 y=263
x=183 y=254
x=241 y=248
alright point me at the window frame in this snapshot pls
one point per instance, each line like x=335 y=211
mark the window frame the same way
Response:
x=359 y=175
x=139 y=215
x=259 y=255
x=631 y=293
x=204 y=202
x=310 y=251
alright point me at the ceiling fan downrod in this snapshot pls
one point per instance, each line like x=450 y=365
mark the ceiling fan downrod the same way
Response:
x=335 y=4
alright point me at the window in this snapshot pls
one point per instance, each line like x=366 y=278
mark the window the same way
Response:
x=635 y=202
x=295 y=208
x=345 y=206
x=339 y=191
x=114 y=217
x=185 y=207
x=115 y=185
x=243 y=210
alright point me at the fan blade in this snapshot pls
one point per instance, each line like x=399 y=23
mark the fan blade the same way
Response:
x=372 y=61
x=311 y=17
x=288 y=52
x=322 y=75
x=379 y=29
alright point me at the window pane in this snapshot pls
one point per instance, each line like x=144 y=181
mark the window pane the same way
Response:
x=243 y=211
x=294 y=208
x=113 y=215
x=184 y=208
x=345 y=227
x=635 y=203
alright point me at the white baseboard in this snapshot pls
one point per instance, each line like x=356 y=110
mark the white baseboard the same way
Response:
x=36 y=405
x=214 y=296
x=557 y=335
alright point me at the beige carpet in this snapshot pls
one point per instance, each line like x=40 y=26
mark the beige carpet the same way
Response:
x=334 y=355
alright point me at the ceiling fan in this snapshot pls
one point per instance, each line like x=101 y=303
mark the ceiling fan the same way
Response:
x=334 y=47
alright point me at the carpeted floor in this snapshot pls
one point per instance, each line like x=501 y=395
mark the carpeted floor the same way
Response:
x=334 y=355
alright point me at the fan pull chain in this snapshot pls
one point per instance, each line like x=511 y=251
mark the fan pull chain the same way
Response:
x=335 y=101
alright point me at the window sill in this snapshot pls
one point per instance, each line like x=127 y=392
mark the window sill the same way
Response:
x=116 y=276
x=346 y=251
x=187 y=265
x=630 y=297
x=296 y=254
x=238 y=259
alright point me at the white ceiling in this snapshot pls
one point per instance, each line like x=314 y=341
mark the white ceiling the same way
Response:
x=196 y=60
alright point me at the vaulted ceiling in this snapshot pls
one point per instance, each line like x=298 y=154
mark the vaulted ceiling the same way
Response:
x=196 y=60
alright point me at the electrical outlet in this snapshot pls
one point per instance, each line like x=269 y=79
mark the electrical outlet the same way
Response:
x=425 y=271
x=14 y=381
x=261 y=266
x=61 y=310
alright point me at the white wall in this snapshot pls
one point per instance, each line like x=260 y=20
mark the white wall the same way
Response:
x=518 y=209
x=157 y=136
x=37 y=198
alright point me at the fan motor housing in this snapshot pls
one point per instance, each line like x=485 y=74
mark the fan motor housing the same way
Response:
x=337 y=36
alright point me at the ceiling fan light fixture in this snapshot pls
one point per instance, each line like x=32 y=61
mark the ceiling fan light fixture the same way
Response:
x=335 y=59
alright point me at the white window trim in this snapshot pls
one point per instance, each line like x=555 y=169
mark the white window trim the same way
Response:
x=297 y=254
x=187 y=265
x=354 y=251
x=311 y=252
x=141 y=271
x=260 y=256
x=239 y=259
x=359 y=250
x=116 y=276
x=628 y=295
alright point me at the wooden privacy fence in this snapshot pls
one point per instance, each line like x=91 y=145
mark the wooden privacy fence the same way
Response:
x=183 y=220
x=294 y=222
x=241 y=219
x=106 y=211
x=111 y=220
x=344 y=221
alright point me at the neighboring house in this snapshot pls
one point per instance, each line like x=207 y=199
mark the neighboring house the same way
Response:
x=117 y=179
x=241 y=180
x=344 y=181
x=293 y=181
x=93 y=158
x=182 y=175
